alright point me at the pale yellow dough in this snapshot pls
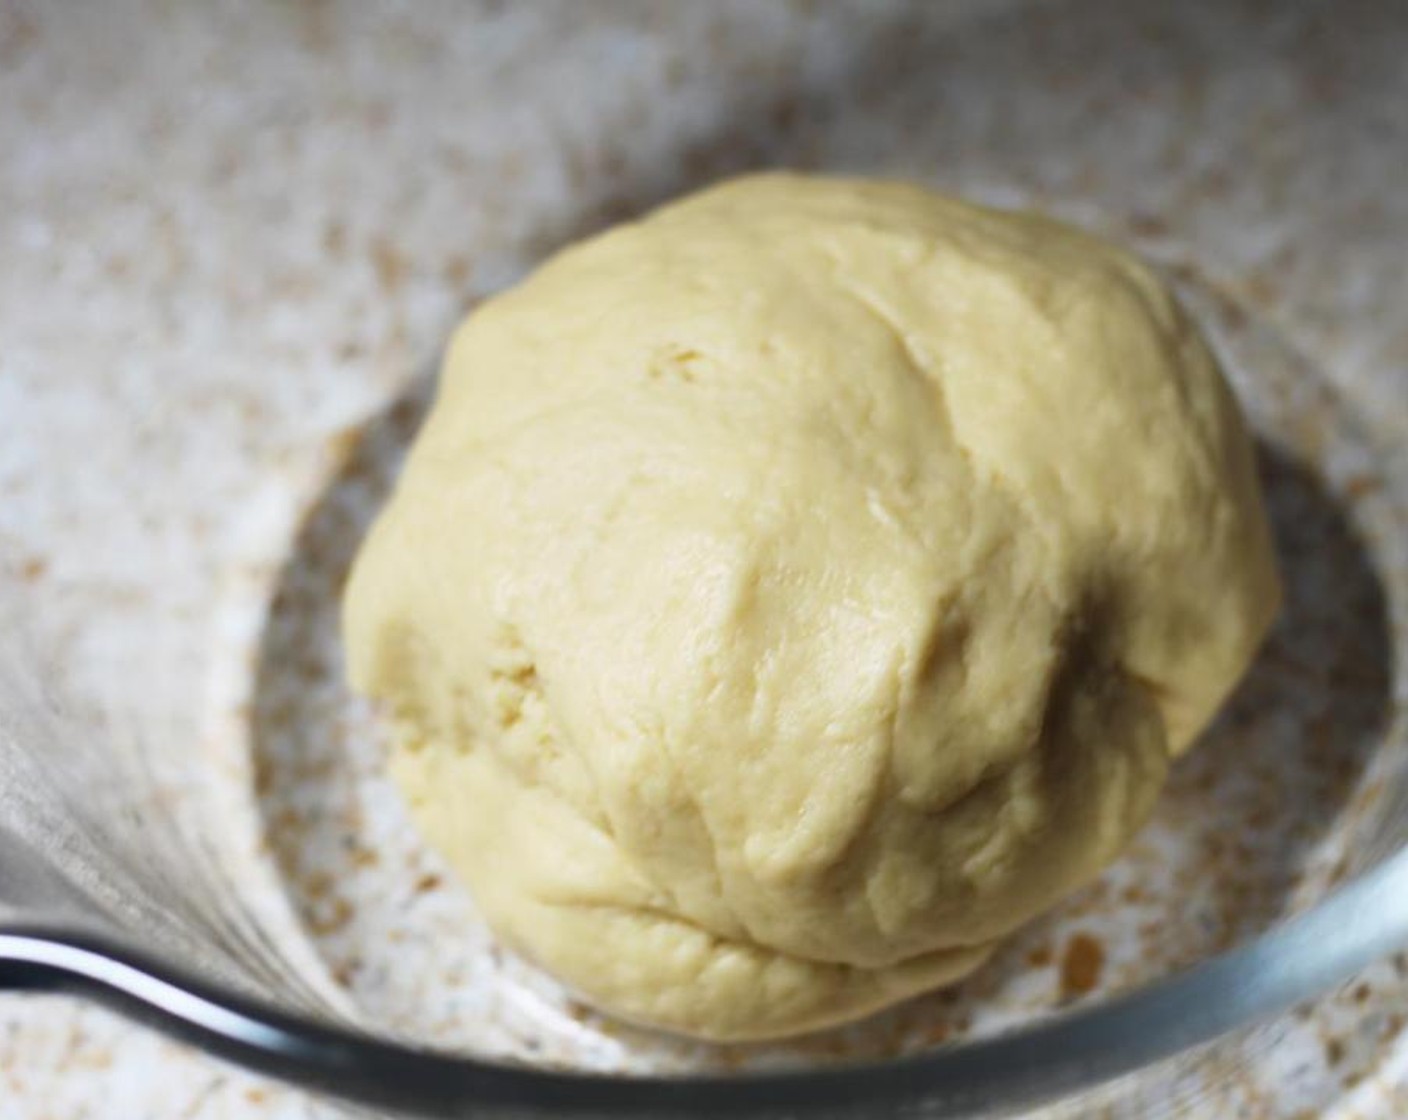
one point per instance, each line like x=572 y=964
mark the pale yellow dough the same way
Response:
x=795 y=591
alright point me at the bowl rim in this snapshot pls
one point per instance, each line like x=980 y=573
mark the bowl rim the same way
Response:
x=1302 y=957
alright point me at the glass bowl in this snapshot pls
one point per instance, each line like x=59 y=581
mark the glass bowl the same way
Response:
x=195 y=790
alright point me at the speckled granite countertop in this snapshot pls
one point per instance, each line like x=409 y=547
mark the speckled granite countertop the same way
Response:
x=229 y=234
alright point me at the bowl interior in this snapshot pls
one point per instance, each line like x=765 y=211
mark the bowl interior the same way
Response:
x=1283 y=798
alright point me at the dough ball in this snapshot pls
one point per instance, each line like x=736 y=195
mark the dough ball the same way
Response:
x=794 y=592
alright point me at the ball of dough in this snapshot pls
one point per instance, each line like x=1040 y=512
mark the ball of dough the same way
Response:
x=795 y=591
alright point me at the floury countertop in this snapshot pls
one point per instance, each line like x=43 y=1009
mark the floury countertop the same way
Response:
x=230 y=234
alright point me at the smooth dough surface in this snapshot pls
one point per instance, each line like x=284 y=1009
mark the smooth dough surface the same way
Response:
x=793 y=592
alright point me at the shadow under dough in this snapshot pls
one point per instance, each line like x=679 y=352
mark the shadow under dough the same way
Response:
x=1303 y=727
